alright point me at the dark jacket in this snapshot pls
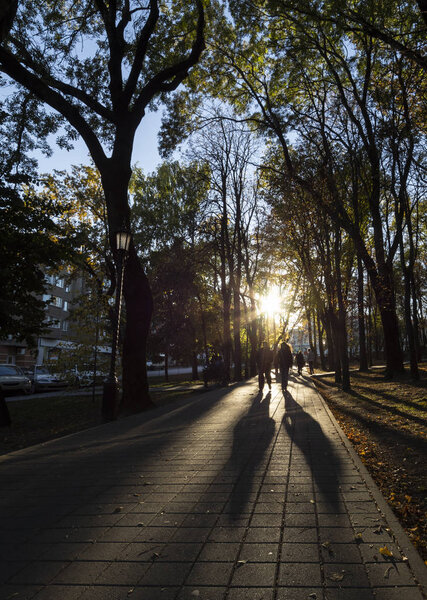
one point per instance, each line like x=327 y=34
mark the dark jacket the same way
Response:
x=264 y=359
x=285 y=356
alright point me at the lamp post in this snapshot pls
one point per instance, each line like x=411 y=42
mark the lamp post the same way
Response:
x=110 y=401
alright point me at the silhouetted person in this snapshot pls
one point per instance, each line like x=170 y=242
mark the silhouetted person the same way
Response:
x=300 y=362
x=285 y=363
x=310 y=360
x=264 y=362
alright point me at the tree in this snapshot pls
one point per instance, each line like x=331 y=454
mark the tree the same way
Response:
x=137 y=54
x=31 y=240
x=286 y=70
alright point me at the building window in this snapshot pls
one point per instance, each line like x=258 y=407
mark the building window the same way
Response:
x=56 y=301
x=53 y=323
x=65 y=325
x=65 y=307
x=59 y=282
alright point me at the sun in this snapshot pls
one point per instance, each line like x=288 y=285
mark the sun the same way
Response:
x=271 y=303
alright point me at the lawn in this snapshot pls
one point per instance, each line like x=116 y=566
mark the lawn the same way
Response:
x=386 y=421
x=39 y=419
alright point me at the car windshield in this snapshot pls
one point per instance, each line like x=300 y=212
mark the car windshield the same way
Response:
x=9 y=370
x=43 y=371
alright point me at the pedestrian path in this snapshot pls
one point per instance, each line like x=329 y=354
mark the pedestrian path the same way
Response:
x=226 y=495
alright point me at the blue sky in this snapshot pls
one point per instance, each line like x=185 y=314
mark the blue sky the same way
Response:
x=145 y=154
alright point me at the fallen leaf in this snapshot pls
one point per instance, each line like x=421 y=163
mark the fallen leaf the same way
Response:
x=195 y=593
x=336 y=577
x=386 y=552
x=155 y=556
x=130 y=591
x=240 y=563
x=118 y=509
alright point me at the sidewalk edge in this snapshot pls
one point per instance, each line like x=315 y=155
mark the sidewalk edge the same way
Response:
x=414 y=559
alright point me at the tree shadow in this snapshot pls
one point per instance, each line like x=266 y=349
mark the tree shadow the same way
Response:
x=394 y=398
x=252 y=436
x=306 y=433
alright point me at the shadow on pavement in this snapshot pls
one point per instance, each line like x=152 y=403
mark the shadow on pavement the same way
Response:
x=308 y=435
x=251 y=438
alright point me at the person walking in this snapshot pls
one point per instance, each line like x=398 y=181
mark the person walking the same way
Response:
x=310 y=360
x=300 y=362
x=285 y=363
x=264 y=363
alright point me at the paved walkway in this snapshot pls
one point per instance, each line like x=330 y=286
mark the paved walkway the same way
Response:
x=225 y=495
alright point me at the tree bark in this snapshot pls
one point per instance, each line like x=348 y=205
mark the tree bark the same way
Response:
x=363 y=356
x=137 y=293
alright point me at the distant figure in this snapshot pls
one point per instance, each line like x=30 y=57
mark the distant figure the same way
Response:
x=285 y=363
x=300 y=362
x=264 y=363
x=310 y=360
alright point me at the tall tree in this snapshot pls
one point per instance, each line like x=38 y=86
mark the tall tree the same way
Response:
x=131 y=55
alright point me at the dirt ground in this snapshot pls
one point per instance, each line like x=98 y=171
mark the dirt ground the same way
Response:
x=386 y=421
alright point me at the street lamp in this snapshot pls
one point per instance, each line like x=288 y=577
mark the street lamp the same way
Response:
x=110 y=401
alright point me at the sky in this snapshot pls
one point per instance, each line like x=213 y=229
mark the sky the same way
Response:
x=145 y=153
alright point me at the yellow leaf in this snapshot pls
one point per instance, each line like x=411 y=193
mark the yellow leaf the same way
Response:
x=386 y=552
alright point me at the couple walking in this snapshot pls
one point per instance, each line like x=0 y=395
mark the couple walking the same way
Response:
x=265 y=360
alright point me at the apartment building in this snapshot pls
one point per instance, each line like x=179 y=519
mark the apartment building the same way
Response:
x=60 y=295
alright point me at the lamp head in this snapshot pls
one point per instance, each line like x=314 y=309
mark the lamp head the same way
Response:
x=123 y=240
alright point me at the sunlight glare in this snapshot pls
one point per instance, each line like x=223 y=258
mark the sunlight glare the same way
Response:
x=271 y=303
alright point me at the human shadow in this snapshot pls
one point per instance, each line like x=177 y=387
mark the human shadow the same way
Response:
x=252 y=436
x=320 y=455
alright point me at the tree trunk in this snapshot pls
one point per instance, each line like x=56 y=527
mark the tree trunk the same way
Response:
x=137 y=293
x=167 y=366
x=236 y=332
x=321 y=349
x=363 y=356
x=341 y=320
x=194 y=367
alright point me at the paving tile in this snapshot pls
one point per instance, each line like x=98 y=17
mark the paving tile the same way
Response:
x=254 y=574
x=122 y=573
x=292 y=552
x=246 y=593
x=204 y=593
x=357 y=593
x=23 y=592
x=38 y=572
x=299 y=574
x=399 y=593
x=209 y=573
x=259 y=552
x=386 y=575
x=299 y=593
x=219 y=551
x=165 y=574
x=345 y=575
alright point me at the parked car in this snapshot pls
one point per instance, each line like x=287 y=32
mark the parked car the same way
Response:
x=42 y=380
x=13 y=380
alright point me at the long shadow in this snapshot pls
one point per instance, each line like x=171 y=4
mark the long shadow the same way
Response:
x=375 y=426
x=390 y=409
x=396 y=398
x=319 y=452
x=251 y=438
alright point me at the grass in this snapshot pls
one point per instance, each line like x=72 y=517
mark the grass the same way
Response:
x=386 y=421
x=36 y=420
